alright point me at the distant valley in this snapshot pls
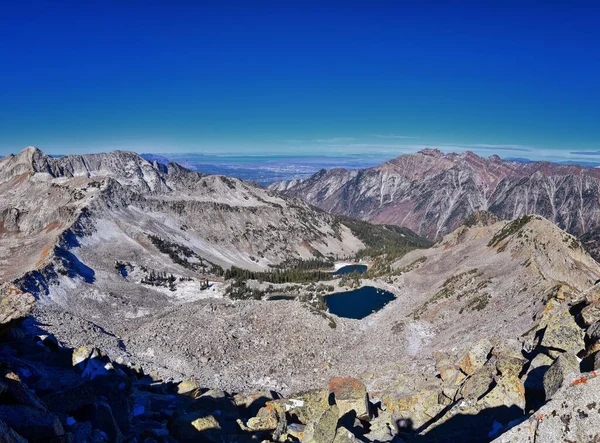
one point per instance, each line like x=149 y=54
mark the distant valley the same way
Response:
x=265 y=169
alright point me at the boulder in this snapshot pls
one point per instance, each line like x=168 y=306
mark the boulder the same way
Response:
x=306 y=406
x=343 y=435
x=92 y=363
x=564 y=369
x=49 y=341
x=417 y=407
x=265 y=420
x=189 y=388
x=104 y=420
x=14 y=391
x=508 y=391
x=534 y=379
x=296 y=431
x=476 y=385
x=323 y=429
x=590 y=314
x=195 y=426
x=572 y=415
x=593 y=332
x=383 y=428
x=592 y=349
x=7 y=435
x=71 y=399
x=596 y=361
x=350 y=395
x=31 y=423
x=508 y=359
x=15 y=306
x=475 y=357
x=562 y=333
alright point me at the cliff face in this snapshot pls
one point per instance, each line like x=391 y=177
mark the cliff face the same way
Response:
x=431 y=192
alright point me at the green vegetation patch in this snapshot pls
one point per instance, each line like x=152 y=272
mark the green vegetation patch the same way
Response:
x=184 y=256
x=462 y=286
x=510 y=229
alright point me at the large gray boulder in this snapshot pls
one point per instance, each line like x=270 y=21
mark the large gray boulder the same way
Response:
x=572 y=415
x=564 y=370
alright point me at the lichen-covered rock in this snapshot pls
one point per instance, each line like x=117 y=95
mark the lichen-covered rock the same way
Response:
x=189 y=388
x=266 y=419
x=590 y=314
x=508 y=392
x=508 y=359
x=573 y=415
x=593 y=332
x=476 y=385
x=350 y=395
x=564 y=369
x=417 y=407
x=323 y=429
x=195 y=426
x=382 y=428
x=306 y=406
x=343 y=435
x=475 y=357
x=561 y=332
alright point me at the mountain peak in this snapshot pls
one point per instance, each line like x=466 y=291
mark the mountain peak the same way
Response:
x=432 y=152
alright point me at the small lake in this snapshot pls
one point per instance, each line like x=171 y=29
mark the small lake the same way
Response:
x=349 y=269
x=358 y=303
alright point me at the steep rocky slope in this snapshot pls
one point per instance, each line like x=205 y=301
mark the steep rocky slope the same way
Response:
x=117 y=251
x=466 y=357
x=116 y=197
x=97 y=226
x=448 y=297
x=431 y=192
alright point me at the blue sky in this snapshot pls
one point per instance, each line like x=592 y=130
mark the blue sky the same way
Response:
x=311 y=78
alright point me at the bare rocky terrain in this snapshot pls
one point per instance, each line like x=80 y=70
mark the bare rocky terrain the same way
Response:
x=431 y=192
x=110 y=251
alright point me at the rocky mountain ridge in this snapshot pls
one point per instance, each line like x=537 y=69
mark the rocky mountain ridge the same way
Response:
x=537 y=386
x=47 y=202
x=123 y=258
x=431 y=192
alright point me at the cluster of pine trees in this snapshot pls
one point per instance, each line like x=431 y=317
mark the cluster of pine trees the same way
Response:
x=160 y=279
x=278 y=275
x=306 y=265
x=181 y=255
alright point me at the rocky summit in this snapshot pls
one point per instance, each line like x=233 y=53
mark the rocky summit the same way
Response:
x=143 y=302
x=432 y=193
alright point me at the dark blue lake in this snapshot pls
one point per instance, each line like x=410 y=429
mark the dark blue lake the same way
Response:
x=349 y=269
x=358 y=303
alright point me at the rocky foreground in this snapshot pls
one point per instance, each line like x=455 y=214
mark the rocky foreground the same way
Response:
x=541 y=386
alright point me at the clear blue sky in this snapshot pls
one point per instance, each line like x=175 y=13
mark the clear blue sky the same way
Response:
x=315 y=77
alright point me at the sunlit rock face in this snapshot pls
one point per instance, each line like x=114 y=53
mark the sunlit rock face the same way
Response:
x=431 y=192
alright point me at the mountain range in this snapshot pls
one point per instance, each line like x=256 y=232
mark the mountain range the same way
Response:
x=144 y=301
x=432 y=193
